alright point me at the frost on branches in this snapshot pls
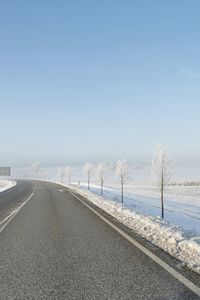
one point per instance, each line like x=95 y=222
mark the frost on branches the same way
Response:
x=87 y=169
x=162 y=167
x=100 y=173
x=123 y=172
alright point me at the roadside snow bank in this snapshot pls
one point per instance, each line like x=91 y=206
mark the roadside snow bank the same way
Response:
x=6 y=184
x=181 y=244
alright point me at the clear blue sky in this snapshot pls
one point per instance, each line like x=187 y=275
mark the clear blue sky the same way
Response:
x=98 y=80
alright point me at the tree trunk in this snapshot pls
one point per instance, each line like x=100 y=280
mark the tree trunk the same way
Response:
x=122 y=192
x=88 y=181
x=101 y=186
x=162 y=203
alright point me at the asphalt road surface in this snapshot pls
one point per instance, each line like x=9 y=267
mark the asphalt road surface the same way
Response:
x=56 y=248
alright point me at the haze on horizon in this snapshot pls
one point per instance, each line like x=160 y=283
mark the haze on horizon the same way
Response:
x=92 y=81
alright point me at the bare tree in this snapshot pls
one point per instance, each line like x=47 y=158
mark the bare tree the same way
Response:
x=68 y=172
x=100 y=173
x=123 y=172
x=162 y=171
x=87 y=169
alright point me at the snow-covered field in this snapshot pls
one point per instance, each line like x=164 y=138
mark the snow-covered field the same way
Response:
x=180 y=243
x=6 y=184
x=182 y=203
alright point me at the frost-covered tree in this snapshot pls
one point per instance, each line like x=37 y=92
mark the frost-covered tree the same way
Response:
x=68 y=173
x=36 y=168
x=161 y=170
x=87 y=169
x=123 y=172
x=61 y=174
x=100 y=173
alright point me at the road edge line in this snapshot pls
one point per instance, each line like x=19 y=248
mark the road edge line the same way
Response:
x=7 y=220
x=190 y=285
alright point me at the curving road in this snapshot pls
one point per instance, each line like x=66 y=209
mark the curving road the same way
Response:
x=56 y=248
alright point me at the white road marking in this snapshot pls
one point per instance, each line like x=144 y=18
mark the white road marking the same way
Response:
x=9 y=216
x=60 y=190
x=8 y=190
x=7 y=220
x=190 y=285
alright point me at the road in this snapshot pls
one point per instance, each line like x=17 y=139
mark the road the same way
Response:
x=56 y=248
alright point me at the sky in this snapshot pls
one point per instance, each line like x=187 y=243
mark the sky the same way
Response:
x=98 y=80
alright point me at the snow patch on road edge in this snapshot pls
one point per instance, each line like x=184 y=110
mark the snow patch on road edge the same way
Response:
x=6 y=185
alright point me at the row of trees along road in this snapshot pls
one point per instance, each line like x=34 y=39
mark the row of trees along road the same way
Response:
x=161 y=170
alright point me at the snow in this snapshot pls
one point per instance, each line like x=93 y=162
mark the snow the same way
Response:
x=182 y=244
x=182 y=205
x=6 y=184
